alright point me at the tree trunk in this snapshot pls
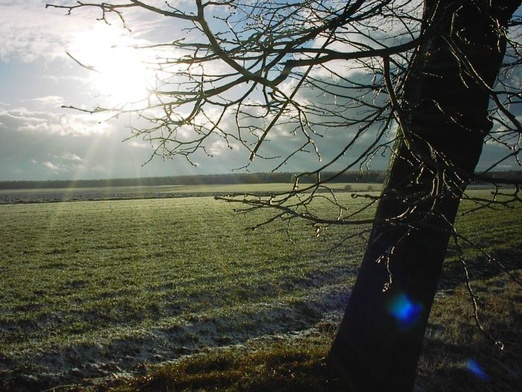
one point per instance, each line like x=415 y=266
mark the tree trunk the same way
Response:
x=444 y=122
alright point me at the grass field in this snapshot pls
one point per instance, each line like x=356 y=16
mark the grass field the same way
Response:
x=111 y=290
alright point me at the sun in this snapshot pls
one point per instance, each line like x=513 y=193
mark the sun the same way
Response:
x=122 y=77
x=119 y=71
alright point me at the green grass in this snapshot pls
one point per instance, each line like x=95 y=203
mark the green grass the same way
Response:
x=130 y=261
x=120 y=282
x=93 y=289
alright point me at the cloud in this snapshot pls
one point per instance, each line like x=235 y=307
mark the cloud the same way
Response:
x=49 y=101
x=69 y=157
x=65 y=162
x=37 y=145
x=39 y=139
x=33 y=32
x=220 y=147
x=24 y=120
x=136 y=144
x=29 y=33
x=51 y=166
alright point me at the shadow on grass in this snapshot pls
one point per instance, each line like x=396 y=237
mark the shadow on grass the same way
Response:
x=479 y=268
x=481 y=367
x=274 y=368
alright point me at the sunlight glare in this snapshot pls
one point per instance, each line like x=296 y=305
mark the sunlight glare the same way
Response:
x=119 y=73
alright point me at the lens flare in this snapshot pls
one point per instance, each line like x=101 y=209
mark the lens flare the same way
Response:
x=405 y=311
x=475 y=368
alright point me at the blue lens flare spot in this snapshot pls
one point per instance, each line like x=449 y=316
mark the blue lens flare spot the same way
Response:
x=405 y=311
x=475 y=368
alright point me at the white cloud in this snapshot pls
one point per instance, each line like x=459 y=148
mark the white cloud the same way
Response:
x=65 y=162
x=67 y=156
x=54 y=101
x=220 y=147
x=51 y=166
x=62 y=141
x=71 y=124
x=136 y=144
x=29 y=32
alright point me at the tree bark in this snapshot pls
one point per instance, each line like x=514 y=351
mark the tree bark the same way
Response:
x=444 y=120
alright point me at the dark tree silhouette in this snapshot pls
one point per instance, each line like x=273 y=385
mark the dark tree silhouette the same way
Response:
x=426 y=82
x=444 y=120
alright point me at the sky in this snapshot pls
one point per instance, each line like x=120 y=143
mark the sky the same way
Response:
x=41 y=140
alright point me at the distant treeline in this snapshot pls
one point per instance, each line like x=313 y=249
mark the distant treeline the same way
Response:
x=205 y=179
x=216 y=179
x=513 y=176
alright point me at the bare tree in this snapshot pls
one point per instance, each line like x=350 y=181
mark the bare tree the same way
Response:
x=423 y=82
